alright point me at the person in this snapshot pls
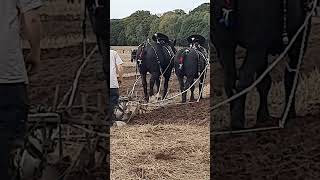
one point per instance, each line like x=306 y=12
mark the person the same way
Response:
x=97 y=11
x=17 y=17
x=116 y=78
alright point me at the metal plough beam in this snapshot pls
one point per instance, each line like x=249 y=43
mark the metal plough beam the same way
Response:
x=44 y=117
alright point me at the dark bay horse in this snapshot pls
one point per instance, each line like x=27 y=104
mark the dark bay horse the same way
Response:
x=259 y=26
x=155 y=57
x=190 y=63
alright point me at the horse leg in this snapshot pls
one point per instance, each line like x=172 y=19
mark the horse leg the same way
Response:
x=166 y=85
x=154 y=77
x=145 y=89
x=158 y=84
x=227 y=61
x=184 y=95
x=289 y=76
x=189 y=82
x=254 y=61
x=263 y=89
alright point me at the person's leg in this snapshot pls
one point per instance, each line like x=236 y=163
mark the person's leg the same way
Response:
x=4 y=150
x=114 y=100
x=13 y=116
x=102 y=64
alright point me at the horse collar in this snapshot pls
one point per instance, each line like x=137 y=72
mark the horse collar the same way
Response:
x=227 y=3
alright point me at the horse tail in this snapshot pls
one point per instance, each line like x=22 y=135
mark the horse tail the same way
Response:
x=181 y=58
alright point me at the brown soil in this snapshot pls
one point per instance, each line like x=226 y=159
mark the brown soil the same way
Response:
x=61 y=70
x=177 y=114
x=291 y=153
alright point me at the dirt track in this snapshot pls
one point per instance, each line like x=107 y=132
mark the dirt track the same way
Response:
x=291 y=153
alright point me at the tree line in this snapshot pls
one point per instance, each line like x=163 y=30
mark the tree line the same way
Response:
x=177 y=24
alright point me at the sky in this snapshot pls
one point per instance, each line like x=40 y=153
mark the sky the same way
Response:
x=124 y=8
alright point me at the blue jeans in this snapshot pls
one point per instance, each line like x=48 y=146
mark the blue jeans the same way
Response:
x=13 y=117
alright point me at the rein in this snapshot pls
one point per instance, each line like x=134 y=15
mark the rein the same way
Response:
x=158 y=60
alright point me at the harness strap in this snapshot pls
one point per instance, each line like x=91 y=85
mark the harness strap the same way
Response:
x=285 y=38
x=226 y=13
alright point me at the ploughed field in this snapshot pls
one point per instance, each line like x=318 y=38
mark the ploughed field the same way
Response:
x=171 y=141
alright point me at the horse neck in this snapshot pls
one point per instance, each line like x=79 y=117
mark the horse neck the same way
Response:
x=162 y=52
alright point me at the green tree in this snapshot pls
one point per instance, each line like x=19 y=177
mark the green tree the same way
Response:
x=176 y=24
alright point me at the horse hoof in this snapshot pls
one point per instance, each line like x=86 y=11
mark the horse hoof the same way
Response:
x=292 y=115
x=263 y=116
x=267 y=121
x=237 y=122
x=238 y=119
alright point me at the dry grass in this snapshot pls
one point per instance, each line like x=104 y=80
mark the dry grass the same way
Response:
x=307 y=101
x=160 y=152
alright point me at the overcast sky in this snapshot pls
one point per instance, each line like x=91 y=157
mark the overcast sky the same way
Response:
x=124 y=8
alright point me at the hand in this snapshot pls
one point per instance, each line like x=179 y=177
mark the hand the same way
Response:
x=32 y=63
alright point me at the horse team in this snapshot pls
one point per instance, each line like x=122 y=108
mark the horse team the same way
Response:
x=159 y=57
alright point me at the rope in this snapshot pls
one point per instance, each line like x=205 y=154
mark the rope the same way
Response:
x=258 y=80
x=202 y=89
x=296 y=76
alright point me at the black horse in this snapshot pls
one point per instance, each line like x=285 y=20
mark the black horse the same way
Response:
x=260 y=26
x=156 y=58
x=190 y=63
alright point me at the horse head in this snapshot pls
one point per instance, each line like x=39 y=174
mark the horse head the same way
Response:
x=133 y=54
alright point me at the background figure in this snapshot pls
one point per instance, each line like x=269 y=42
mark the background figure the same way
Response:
x=116 y=77
x=13 y=73
x=97 y=11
